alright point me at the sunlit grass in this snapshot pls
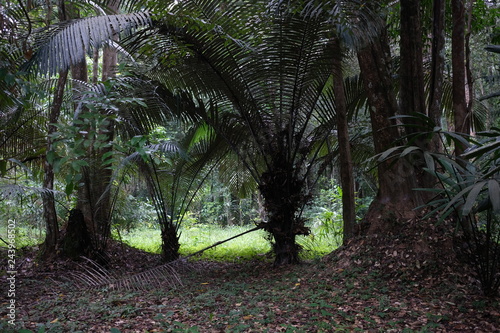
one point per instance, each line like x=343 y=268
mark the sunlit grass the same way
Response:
x=146 y=239
x=23 y=236
x=250 y=246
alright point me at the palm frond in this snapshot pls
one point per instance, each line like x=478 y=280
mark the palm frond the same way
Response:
x=15 y=190
x=94 y=276
x=62 y=45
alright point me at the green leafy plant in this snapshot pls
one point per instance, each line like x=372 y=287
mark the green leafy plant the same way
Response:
x=469 y=193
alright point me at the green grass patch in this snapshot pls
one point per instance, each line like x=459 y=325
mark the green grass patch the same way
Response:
x=24 y=236
x=250 y=246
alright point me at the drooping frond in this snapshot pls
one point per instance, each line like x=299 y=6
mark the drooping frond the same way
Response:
x=94 y=276
x=355 y=21
x=62 y=45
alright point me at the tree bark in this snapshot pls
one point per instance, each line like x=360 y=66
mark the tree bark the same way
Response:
x=411 y=69
x=435 y=112
x=468 y=68
x=104 y=174
x=49 y=208
x=395 y=198
x=346 y=165
x=412 y=88
x=94 y=197
x=461 y=120
x=77 y=241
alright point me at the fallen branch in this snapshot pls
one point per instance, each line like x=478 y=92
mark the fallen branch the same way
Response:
x=97 y=276
x=260 y=226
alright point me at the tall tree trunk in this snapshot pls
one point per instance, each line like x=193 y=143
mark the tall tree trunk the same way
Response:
x=84 y=200
x=346 y=166
x=395 y=198
x=437 y=70
x=461 y=120
x=49 y=208
x=468 y=68
x=101 y=181
x=94 y=197
x=412 y=87
x=411 y=69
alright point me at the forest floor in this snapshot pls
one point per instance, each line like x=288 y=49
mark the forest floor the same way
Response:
x=367 y=286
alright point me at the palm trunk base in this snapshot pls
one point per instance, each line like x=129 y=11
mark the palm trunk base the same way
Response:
x=170 y=244
x=286 y=250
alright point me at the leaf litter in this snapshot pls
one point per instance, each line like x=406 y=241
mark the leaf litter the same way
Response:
x=369 y=285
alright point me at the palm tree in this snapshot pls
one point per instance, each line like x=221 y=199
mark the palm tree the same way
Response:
x=260 y=74
x=267 y=89
x=174 y=173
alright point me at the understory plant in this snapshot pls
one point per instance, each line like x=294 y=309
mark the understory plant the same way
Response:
x=467 y=192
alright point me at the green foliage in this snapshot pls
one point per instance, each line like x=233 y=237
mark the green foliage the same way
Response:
x=131 y=212
x=469 y=193
x=89 y=139
x=147 y=239
x=195 y=236
x=325 y=213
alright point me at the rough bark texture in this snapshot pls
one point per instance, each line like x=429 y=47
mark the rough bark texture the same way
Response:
x=49 y=208
x=412 y=87
x=104 y=174
x=411 y=70
x=395 y=198
x=283 y=197
x=469 y=79
x=346 y=166
x=437 y=70
x=170 y=242
x=94 y=197
x=84 y=200
x=461 y=120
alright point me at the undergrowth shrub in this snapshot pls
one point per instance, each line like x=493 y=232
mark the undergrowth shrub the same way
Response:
x=468 y=192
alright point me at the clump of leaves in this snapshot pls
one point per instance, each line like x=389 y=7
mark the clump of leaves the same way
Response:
x=468 y=192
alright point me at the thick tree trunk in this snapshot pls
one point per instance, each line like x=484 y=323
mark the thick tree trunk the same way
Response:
x=77 y=241
x=346 y=166
x=170 y=242
x=469 y=80
x=85 y=202
x=104 y=174
x=49 y=208
x=94 y=197
x=412 y=87
x=283 y=198
x=461 y=120
x=395 y=198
